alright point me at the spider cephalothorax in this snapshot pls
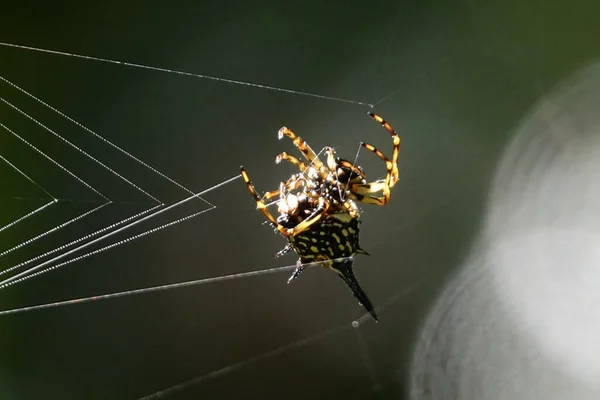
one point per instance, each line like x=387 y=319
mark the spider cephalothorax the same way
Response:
x=318 y=212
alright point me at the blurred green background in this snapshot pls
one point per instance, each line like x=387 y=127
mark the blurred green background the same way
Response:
x=452 y=77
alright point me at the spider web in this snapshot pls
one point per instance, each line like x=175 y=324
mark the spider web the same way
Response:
x=90 y=221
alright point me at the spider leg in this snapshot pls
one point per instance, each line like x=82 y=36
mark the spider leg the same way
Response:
x=332 y=164
x=299 y=268
x=347 y=164
x=285 y=156
x=293 y=183
x=363 y=191
x=262 y=206
x=396 y=140
x=288 y=247
x=331 y=161
x=313 y=218
x=304 y=148
x=306 y=171
x=350 y=208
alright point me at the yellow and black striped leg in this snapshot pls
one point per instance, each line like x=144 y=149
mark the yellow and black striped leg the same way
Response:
x=355 y=170
x=333 y=164
x=260 y=205
x=331 y=161
x=313 y=218
x=305 y=149
x=396 y=141
x=363 y=192
x=350 y=208
x=285 y=156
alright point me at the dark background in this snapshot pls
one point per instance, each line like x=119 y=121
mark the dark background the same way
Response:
x=462 y=73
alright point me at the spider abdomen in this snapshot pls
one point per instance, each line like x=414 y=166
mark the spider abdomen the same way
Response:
x=335 y=236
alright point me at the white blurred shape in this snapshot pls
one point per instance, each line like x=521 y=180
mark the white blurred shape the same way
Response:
x=522 y=318
x=548 y=282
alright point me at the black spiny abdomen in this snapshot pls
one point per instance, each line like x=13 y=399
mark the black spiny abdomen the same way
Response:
x=334 y=236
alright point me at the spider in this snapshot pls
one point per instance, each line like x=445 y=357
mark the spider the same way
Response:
x=318 y=211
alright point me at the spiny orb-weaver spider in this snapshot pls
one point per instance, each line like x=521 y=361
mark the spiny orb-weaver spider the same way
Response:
x=318 y=214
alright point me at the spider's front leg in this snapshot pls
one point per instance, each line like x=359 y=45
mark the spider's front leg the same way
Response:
x=305 y=149
x=260 y=205
x=285 y=156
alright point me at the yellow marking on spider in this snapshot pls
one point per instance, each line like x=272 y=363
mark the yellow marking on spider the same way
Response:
x=377 y=118
x=344 y=232
x=341 y=246
x=352 y=231
x=370 y=147
x=314 y=249
x=344 y=217
x=336 y=237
